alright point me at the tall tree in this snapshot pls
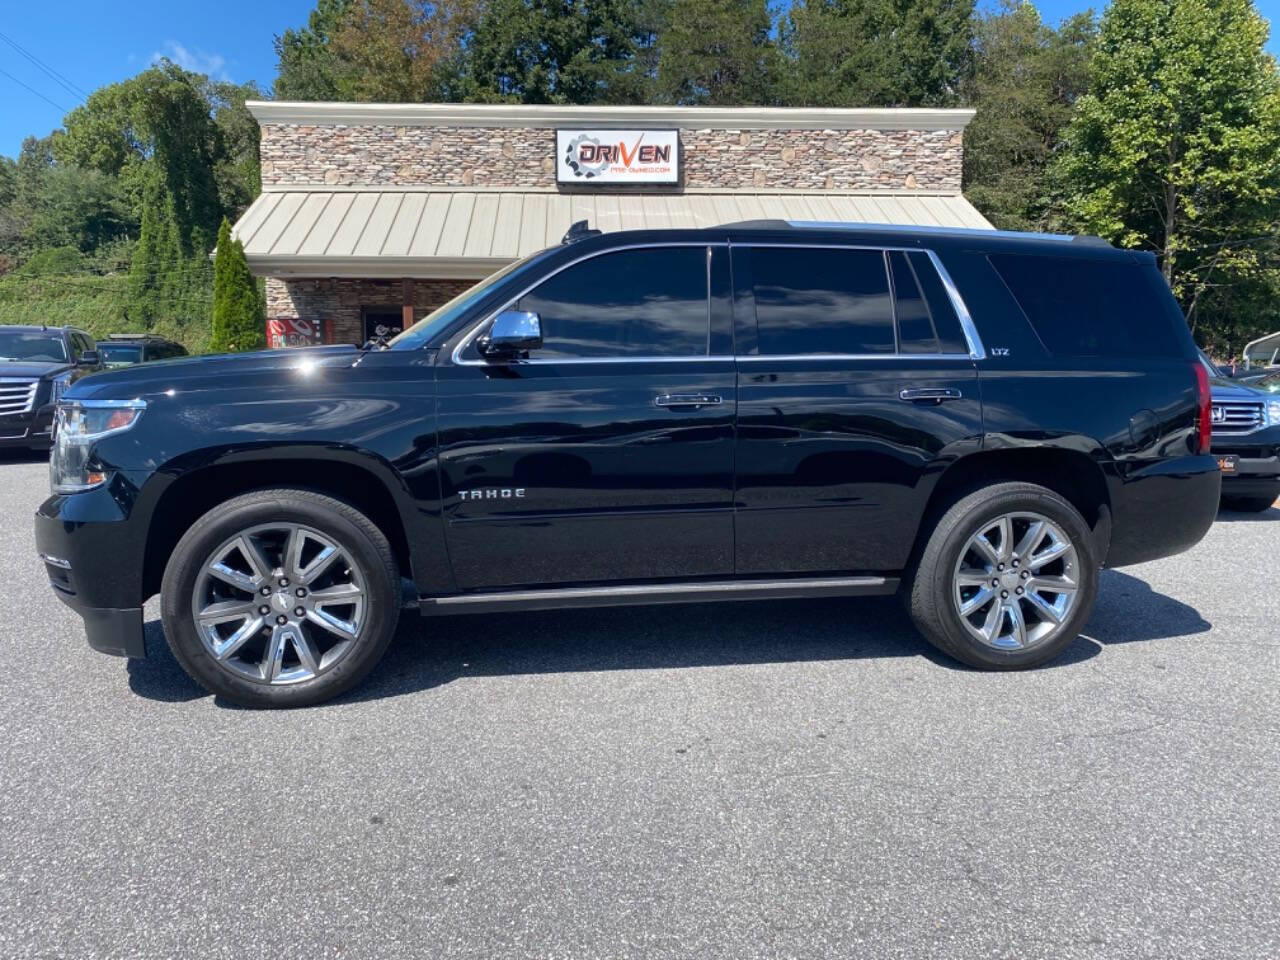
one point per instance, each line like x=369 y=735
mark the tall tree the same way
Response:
x=308 y=68
x=856 y=53
x=1027 y=77
x=398 y=50
x=717 y=52
x=1176 y=148
x=561 y=51
x=238 y=322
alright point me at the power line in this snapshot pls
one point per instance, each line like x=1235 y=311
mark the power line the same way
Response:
x=33 y=90
x=77 y=92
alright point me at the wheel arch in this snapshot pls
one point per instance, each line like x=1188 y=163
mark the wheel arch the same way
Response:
x=363 y=481
x=1075 y=476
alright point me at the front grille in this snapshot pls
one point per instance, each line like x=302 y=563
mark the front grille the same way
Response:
x=1235 y=418
x=17 y=394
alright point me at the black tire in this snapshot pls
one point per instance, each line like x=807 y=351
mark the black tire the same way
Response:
x=347 y=527
x=930 y=600
x=1249 y=504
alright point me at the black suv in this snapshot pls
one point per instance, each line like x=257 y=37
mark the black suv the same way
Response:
x=124 y=349
x=37 y=364
x=754 y=411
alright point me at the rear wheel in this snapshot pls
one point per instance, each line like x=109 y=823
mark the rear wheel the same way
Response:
x=1007 y=578
x=280 y=598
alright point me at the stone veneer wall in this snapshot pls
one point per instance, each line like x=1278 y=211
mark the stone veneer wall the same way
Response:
x=337 y=303
x=338 y=154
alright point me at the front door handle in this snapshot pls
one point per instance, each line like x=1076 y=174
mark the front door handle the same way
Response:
x=930 y=395
x=691 y=400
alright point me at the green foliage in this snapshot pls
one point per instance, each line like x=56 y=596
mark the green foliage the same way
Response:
x=854 y=53
x=1027 y=77
x=238 y=319
x=717 y=52
x=1176 y=150
x=308 y=67
x=561 y=51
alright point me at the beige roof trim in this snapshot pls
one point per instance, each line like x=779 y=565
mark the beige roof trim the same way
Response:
x=519 y=115
x=470 y=233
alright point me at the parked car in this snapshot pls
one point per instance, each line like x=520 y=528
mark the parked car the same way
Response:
x=123 y=349
x=978 y=420
x=37 y=364
x=1246 y=440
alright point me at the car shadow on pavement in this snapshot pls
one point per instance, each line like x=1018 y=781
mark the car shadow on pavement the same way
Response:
x=433 y=651
x=1238 y=516
x=23 y=455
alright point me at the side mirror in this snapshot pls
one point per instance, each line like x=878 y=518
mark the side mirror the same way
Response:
x=512 y=332
x=89 y=358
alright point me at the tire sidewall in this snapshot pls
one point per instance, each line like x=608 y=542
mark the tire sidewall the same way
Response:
x=224 y=522
x=980 y=511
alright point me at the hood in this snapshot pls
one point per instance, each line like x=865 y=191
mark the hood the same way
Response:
x=1223 y=389
x=32 y=368
x=207 y=372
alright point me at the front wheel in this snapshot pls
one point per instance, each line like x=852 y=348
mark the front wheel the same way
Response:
x=280 y=598
x=1007 y=578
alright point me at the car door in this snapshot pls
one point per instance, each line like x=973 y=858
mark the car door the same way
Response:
x=856 y=381
x=607 y=454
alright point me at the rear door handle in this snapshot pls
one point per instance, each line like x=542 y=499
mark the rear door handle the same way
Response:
x=692 y=400
x=930 y=395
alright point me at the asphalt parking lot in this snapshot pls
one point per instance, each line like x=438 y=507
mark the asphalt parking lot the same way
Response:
x=798 y=779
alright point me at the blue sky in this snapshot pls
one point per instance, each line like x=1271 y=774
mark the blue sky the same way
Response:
x=93 y=43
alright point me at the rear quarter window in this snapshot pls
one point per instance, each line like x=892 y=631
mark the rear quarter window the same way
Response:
x=1092 y=308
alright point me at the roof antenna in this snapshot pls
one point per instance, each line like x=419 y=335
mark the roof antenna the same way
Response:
x=578 y=230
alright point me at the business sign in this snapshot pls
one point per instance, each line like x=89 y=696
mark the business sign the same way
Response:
x=291 y=332
x=617 y=156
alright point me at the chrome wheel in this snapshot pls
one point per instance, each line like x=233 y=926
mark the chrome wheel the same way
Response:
x=279 y=603
x=1016 y=581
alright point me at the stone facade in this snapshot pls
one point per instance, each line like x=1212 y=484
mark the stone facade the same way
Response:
x=384 y=155
x=337 y=305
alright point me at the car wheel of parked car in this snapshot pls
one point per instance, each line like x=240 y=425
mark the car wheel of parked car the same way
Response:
x=1007 y=578
x=280 y=598
x=1248 y=504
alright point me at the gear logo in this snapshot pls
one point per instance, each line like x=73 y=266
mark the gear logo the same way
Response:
x=579 y=167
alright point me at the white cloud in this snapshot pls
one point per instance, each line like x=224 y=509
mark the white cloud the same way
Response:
x=197 y=61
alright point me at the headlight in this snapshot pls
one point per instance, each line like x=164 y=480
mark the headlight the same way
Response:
x=77 y=426
x=60 y=384
x=1273 y=412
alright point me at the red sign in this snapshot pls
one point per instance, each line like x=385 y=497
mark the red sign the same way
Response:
x=291 y=332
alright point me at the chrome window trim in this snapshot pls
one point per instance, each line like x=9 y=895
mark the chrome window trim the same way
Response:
x=976 y=349
x=458 y=361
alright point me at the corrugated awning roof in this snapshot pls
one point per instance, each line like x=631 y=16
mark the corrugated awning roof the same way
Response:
x=470 y=233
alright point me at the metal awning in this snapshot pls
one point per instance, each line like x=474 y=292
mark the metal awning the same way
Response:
x=448 y=233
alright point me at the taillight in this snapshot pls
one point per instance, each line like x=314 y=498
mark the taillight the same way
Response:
x=1204 y=401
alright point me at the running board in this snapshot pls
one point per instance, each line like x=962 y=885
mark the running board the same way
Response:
x=565 y=597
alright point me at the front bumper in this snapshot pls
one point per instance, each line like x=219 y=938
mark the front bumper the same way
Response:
x=31 y=429
x=93 y=558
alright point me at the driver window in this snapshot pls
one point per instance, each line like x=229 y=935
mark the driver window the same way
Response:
x=647 y=302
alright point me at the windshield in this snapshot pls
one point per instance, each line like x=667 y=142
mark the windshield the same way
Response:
x=426 y=329
x=31 y=345
x=119 y=354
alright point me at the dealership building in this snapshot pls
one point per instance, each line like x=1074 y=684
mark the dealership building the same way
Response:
x=375 y=214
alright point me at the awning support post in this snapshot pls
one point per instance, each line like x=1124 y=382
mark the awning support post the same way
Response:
x=406 y=303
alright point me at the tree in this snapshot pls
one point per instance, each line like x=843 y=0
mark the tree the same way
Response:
x=717 y=52
x=394 y=50
x=1176 y=148
x=561 y=51
x=884 y=53
x=1027 y=77
x=307 y=66
x=237 y=308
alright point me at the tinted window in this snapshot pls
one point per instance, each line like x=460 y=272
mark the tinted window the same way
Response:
x=1091 y=308
x=121 y=353
x=812 y=300
x=29 y=345
x=635 y=303
x=927 y=322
